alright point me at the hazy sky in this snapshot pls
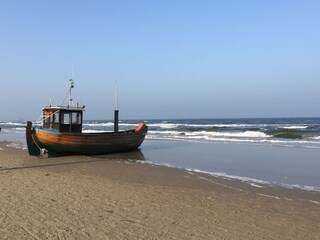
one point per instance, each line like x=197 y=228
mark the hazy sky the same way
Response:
x=172 y=59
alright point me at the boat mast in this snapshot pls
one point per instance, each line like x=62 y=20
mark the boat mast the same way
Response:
x=116 y=110
x=69 y=93
x=70 y=97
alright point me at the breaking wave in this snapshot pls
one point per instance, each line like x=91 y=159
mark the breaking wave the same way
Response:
x=300 y=132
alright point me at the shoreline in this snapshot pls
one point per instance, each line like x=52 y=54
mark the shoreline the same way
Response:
x=112 y=197
x=270 y=165
x=138 y=157
x=149 y=156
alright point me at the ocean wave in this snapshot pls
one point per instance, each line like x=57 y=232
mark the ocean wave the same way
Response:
x=256 y=141
x=296 y=127
x=246 y=134
x=107 y=124
x=165 y=132
x=164 y=125
x=283 y=132
x=187 y=125
x=227 y=125
x=95 y=124
x=315 y=138
x=92 y=131
x=12 y=124
x=288 y=135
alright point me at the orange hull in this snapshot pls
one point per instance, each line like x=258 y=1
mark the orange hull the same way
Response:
x=57 y=143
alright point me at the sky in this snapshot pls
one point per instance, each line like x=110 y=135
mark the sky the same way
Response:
x=171 y=59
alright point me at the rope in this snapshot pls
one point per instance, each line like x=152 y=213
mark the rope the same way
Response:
x=37 y=144
x=42 y=118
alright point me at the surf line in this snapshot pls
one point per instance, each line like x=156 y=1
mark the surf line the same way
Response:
x=223 y=185
x=269 y=196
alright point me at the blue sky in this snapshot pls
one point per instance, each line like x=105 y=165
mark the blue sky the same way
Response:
x=172 y=59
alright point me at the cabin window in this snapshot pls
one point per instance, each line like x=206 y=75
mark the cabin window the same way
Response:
x=56 y=117
x=47 y=117
x=76 y=118
x=66 y=118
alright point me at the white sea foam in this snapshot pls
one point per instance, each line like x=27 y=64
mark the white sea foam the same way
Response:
x=16 y=145
x=98 y=124
x=92 y=131
x=152 y=137
x=307 y=188
x=215 y=174
x=256 y=185
x=315 y=138
x=168 y=165
x=107 y=124
x=251 y=181
x=236 y=125
x=165 y=132
x=257 y=141
x=175 y=125
x=13 y=123
x=246 y=134
x=295 y=127
x=165 y=125
x=225 y=175
x=225 y=125
x=269 y=196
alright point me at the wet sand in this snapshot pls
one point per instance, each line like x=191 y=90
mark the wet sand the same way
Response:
x=112 y=197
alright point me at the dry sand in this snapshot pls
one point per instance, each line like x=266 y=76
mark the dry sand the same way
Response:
x=109 y=197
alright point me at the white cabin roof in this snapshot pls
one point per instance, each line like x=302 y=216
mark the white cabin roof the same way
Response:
x=68 y=108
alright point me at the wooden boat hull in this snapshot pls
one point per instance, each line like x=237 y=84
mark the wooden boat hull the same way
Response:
x=57 y=143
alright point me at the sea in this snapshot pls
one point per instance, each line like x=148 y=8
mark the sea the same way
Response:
x=275 y=151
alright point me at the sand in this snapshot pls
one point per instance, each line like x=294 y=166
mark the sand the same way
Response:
x=111 y=197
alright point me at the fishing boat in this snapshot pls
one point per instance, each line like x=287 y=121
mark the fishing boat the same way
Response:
x=61 y=133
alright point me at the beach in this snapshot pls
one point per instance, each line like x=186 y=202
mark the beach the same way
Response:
x=160 y=120
x=116 y=196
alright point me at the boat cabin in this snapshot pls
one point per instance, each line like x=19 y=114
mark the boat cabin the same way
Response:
x=63 y=119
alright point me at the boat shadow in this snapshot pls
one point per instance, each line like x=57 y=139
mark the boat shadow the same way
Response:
x=131 y=155
x=135 y=155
